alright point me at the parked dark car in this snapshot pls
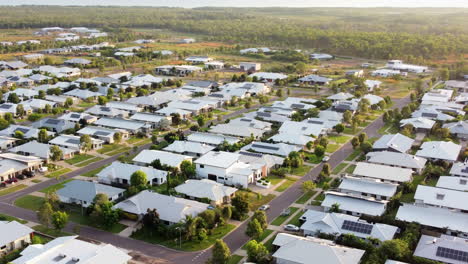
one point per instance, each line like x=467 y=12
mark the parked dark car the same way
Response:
x=12 y=180
x=3 y=184
x=29 y=174
x=21 y=177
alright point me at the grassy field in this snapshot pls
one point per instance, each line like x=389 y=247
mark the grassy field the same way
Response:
x=12 y=189
x=30 y=202
x=77 y=217
x=305 y=197
x=339 y=168
x=285 y=185
x=93 y=173
x=55 y=187
x=217 y=233
x=332 y=148
x=78 y=158
x=87 y=162
x=4 y=217
x=340 y=139
x=280 y=219
x=49 y=231
x=58 y=173
x=301 y=171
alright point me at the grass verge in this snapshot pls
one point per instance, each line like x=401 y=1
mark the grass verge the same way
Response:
x=12 y=189
x=280 y=219
x=30 y=202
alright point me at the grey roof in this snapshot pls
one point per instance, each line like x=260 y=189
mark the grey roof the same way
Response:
x=396 y=142
x=369 y=186
x=441 y=197
x=442 y=150
x=453 y=183
x=459 y=169
x=280 y=149
x=446 y=249
x=120 y=123
x=460 y=127
x=37 y=149
x=118 y=170
x=166 y=158
x=382 y=172
x=205 y=189
x=189 y=146
x=396 y=159
x=12 y=231
x=354 y=204
x=87 y=191
x=210 y=138
x=314 y=78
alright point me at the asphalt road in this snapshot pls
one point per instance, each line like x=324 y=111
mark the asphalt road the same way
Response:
x=234 y=240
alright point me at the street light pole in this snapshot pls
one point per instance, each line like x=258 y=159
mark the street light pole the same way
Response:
x=180 y=237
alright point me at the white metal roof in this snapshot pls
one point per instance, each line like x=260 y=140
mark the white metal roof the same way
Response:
x=370 y=186
x=383 y=172
x=205 y=189
x=397 y=142
x=12 y=231
x=189 y=146
x=459 y=169
x=428 y=247
x=453 y=183
x=219 y=159
x=353 y=204
x=210 y=138
x=171 y=159
x=442 y=150
x=396 y=159
x=441 y=197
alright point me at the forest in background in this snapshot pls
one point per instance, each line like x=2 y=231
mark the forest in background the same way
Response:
x=378 y=33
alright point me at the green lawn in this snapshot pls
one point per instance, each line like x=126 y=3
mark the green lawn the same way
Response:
x=93 y=173
x=235 y=259
x=55 y=187
x=86 y=105
x=339 y=168
x=49 y=231
x=285 y=185
x=354 y=155
x=216 y=233
x=36 y=181
x=301 y=171
x=76 y=217
x=4 y=217
x=118 y=151
x=340 y=139
x=305 y=197
x=143 y=142
x=256 y=200
x=133 y=140
x=295 y=219
x=269 y=244
x=332 y=148
x=108 y=148
x=87 y=162
x=311 y=157
x=58 y=173
x=78 y=158
x=30 y=202
x=274 y=179
x=280 y=219
x=12 y=189
x=350 y=169
x=262 y=237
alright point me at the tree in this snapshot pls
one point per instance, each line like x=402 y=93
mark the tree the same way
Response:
x=20 y=110
x=13 y=98
x=102 y=100
x=366 y=147
x=187 y=169
x=42 y=136
x=444 y=74
x=257 y=252
x=347 y=116
x=209 y=216
x=117 y=137
x=362 y=137
x=44 y=214
x=308 y=186
x=279 y=92
x=254 y=229
x=42 y=94
x=355 y=142
x=139 y=180
x=241 y=205
x=221 y=253
x=201 y=121
x=339 y=128
x=335 y=208
x=395 y=249
x=151 y=219
x=18 y=134
x=68 y=102
x=86 y=143
x=59 y=220
x=9 y=117
x=56 y=153
x=53 y=199
x=326 y=169
x=227 y=212
x=261 y=217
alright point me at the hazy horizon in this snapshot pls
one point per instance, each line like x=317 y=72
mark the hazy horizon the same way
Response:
x=246 y=3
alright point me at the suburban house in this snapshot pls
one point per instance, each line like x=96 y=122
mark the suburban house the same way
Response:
x=382 y=172
x=355 y=73
x=372 y=84
x=432 y=113
x=393 y=142
x=146 y=157
x=171 y=209
x=15 y=164
x=238 y=130
x=177 y=70
x=83 y=94
x=278 y=149
x=105 y=111
x=132 y=126
x=295 y=103
x=41 y=150
x=27 y=132
x=343 y=106
x=152 y=120
x=7 y=142
x=198 y=59
x=250 y=66
x=443 y=249
x=105 y=134
x=73 y=143
x=189 y=148
x=399 y=65
x=36 y=104
x=14 y=236
x=70 y=249
x=314 y=80
x=459 y=129
x=83 y=192
x=216 y=193
x=195 y=106
x=350 y=204
x=265 y=161
x=453 y=183
x=397 y=159
x=372 y=188
x=439 y=150
x=303 y=250
x=459 y=169
x=460 y=86
x=302 y=128
x=340 y=97
x=316 y=222
x=445 y=220
x=293 y=139
x=11 y=108
x=268 y=76
x=385 y=73
x=120 y=173
x=441 y=198
x=226 y=168
x=321 y=56
x=419 y=124
x=76 y=117
x=54 y=125
x=210 y=138
x=373 y=99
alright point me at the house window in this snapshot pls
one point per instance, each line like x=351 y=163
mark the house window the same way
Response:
x=463 y=182
x=202 y=166
x=440 y=196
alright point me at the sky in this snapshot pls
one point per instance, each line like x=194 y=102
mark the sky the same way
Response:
x=249 y=3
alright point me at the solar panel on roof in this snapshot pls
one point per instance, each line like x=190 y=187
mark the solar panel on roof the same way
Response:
x=105 y=109
x=454 y=254
x=73 y=141
x=259 y=155
x=465 y=170
x=75 y=116
x=21 y=129
x=245 y=119
x=429 y=115
x=357 y=227
x=265 y=147
x=315 y=122
x=52 y=121
x=297 y=106
x=5 y=106
x=263 y=114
